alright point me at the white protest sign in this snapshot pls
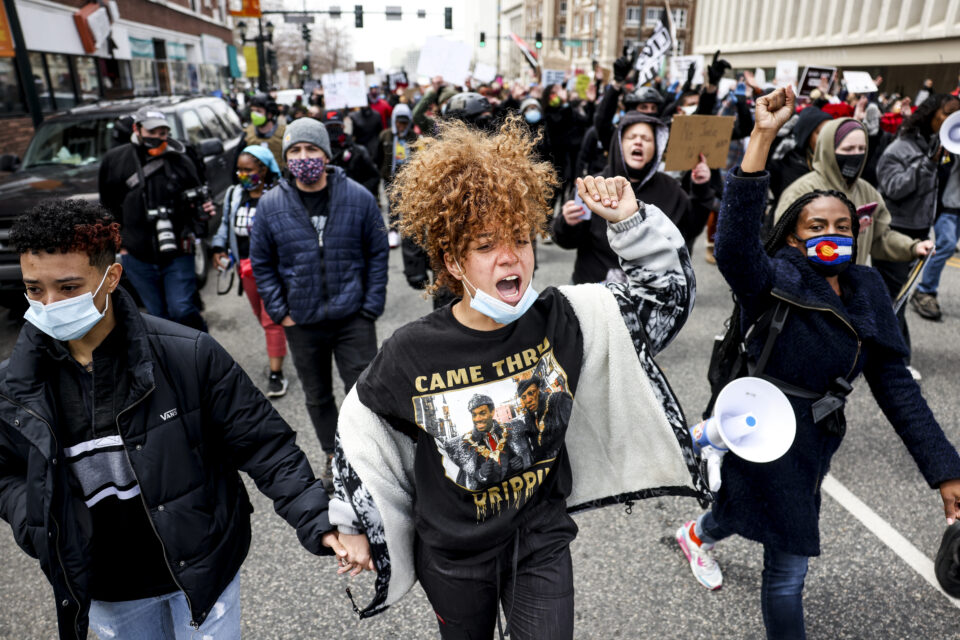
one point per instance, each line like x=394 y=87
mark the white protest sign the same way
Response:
x=484 y=72
x=760 y=77
x=859 y=82
x=725 y=87
x=552 y=76
x=788 y=72
x=679 y=66
x=449 y=59
x=344 y=89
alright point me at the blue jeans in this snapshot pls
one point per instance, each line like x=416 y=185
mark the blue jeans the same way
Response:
x=167 y=617
x=781 y=587
x=945 y=230
x=168 y=291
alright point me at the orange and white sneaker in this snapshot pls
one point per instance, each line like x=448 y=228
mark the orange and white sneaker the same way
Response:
x=705 y=569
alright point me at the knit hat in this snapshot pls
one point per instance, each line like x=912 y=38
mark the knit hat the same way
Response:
x=306 y=130
x=530 y=102
x=846 y=128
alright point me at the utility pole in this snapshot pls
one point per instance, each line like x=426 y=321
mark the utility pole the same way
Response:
x=23 y=64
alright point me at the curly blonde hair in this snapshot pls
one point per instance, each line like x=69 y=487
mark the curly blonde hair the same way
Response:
x=463 y=182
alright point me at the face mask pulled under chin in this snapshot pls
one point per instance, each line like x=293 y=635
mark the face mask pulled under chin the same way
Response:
x=496 y=309
x=69 y=319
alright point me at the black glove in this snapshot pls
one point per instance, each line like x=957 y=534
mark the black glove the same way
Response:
x=716 y=69
x=621 y=67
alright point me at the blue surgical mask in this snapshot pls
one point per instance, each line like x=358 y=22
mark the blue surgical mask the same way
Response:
x=69 y=319
x=496 y=309
x=532 y=116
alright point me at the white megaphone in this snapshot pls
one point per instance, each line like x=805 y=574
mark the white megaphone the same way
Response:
x=752 y=418
x=950 y=133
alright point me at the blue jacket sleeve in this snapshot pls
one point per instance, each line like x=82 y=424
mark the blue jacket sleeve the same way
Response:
x=376 y=258
x=898 y=395
x=265 y=263
x=222 y=237
x=740 y=256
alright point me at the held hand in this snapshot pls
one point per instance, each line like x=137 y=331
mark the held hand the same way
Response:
x=924 y=248
x=358 y=557
x=217 y=257
x=950 y=493
x=572 y=213
x=287 y=322
x=774 y=110
x=208 y=208
x=701 y=172
x=610 y=198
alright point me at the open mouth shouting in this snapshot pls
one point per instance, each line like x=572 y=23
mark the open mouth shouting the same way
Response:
x=637 y=155
x=509 y=289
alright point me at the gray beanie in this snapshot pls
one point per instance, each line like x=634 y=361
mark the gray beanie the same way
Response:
x=306 y=130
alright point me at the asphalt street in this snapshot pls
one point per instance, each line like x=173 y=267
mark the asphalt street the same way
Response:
x=632 y=581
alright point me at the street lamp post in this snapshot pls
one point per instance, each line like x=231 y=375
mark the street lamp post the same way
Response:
x=260 y=39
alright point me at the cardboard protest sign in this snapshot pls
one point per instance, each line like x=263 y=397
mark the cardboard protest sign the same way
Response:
x=484 y=72
x=447 y=58
x=582 y=82
x=859 y=82
x=692 y=135
x=344 y=89
x=787 y=73
x=366 y=67
x=553 y=76
x=679 y=65
x=816 y=78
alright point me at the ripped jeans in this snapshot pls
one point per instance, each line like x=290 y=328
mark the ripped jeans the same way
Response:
x=167 y=617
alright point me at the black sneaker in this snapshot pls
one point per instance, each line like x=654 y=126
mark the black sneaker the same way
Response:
x=277 y=386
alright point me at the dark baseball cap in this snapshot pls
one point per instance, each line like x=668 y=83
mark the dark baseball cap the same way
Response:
x=150 y=118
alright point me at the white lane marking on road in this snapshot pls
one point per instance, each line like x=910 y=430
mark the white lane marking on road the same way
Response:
x=887 y=534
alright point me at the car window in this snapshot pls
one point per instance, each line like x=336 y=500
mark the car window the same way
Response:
x=73 y=143
x=211 y=122
x=193 y=129
x=228 y=117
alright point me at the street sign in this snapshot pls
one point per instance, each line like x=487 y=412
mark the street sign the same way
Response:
x=298 y=18
x=394 y=13
x=573 y=43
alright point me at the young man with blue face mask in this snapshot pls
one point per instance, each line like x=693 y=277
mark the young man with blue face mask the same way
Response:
x=447 y=470
x=116 y=434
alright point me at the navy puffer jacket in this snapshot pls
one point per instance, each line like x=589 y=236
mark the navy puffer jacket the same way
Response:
x=297 y=277
x=825 y=337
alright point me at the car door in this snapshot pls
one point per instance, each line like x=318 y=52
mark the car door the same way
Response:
x=219 y=167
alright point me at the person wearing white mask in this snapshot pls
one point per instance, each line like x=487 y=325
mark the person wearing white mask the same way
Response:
x=121 y=438
x=439 y=476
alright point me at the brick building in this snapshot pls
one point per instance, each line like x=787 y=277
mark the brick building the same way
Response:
x=156 y=47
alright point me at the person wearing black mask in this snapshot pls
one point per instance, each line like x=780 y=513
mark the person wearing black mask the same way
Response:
x=367 y=125
x=793 y=157
x=352 y=157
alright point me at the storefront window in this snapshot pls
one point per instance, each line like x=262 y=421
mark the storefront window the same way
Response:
x=144 y=77
x=40 y=81
x=117 y=78
x=63 y=92
x=88 y=79
x=11 y=98
x=179 y=78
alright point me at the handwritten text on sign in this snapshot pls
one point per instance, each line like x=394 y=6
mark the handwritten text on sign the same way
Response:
x=692 y=135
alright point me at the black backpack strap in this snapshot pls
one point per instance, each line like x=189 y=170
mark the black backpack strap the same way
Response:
x=777 y=318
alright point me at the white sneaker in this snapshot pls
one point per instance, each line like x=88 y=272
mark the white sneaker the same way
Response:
x=916 y=374
x=705 y=569
x=393 y=238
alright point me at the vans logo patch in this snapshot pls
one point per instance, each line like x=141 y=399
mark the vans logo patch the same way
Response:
x=166 y=415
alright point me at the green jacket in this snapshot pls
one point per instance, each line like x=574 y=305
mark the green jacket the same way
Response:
x=884 y=242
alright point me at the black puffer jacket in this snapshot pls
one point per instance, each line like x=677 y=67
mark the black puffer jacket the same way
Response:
x=186 y=465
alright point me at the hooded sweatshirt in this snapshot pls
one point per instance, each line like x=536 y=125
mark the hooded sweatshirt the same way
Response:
x=884 y=242
x=394 y=151
x=595 y=259
x=792 y=158
x=907 y=176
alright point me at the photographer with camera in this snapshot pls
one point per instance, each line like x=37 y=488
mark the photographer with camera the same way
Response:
x=154 y=189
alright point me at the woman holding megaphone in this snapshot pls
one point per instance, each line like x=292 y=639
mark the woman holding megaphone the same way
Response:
x=840 y=323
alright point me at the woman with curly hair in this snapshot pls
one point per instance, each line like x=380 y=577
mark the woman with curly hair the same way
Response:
x=480 y=427
x=837 y=322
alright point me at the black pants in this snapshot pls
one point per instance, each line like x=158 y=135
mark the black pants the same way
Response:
x=895 y=275
x=537 y=600
x=352 y=342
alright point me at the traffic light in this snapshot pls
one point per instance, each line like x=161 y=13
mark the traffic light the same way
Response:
x=358 y=16
x=306 y=34
x=483 y=39
x=538 y=40
x=305 y=66
x=448 y=17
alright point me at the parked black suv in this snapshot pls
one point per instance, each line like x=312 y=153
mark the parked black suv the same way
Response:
x=63 y=161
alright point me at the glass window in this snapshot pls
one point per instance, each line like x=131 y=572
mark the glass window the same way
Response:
x=64 y=95
x=228 y=117
x=88 y=79
x=633 y=15
x=193 y=129
x=179 y=78
x=40 y=81
x=116 y=77
x=212 y=124
x=144 y=77
x=654 y=15
x=73 y=143
x=680 y=18
x=11 y=98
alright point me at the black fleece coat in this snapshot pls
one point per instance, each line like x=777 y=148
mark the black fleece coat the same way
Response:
x=186 y=465
x=826 y=336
